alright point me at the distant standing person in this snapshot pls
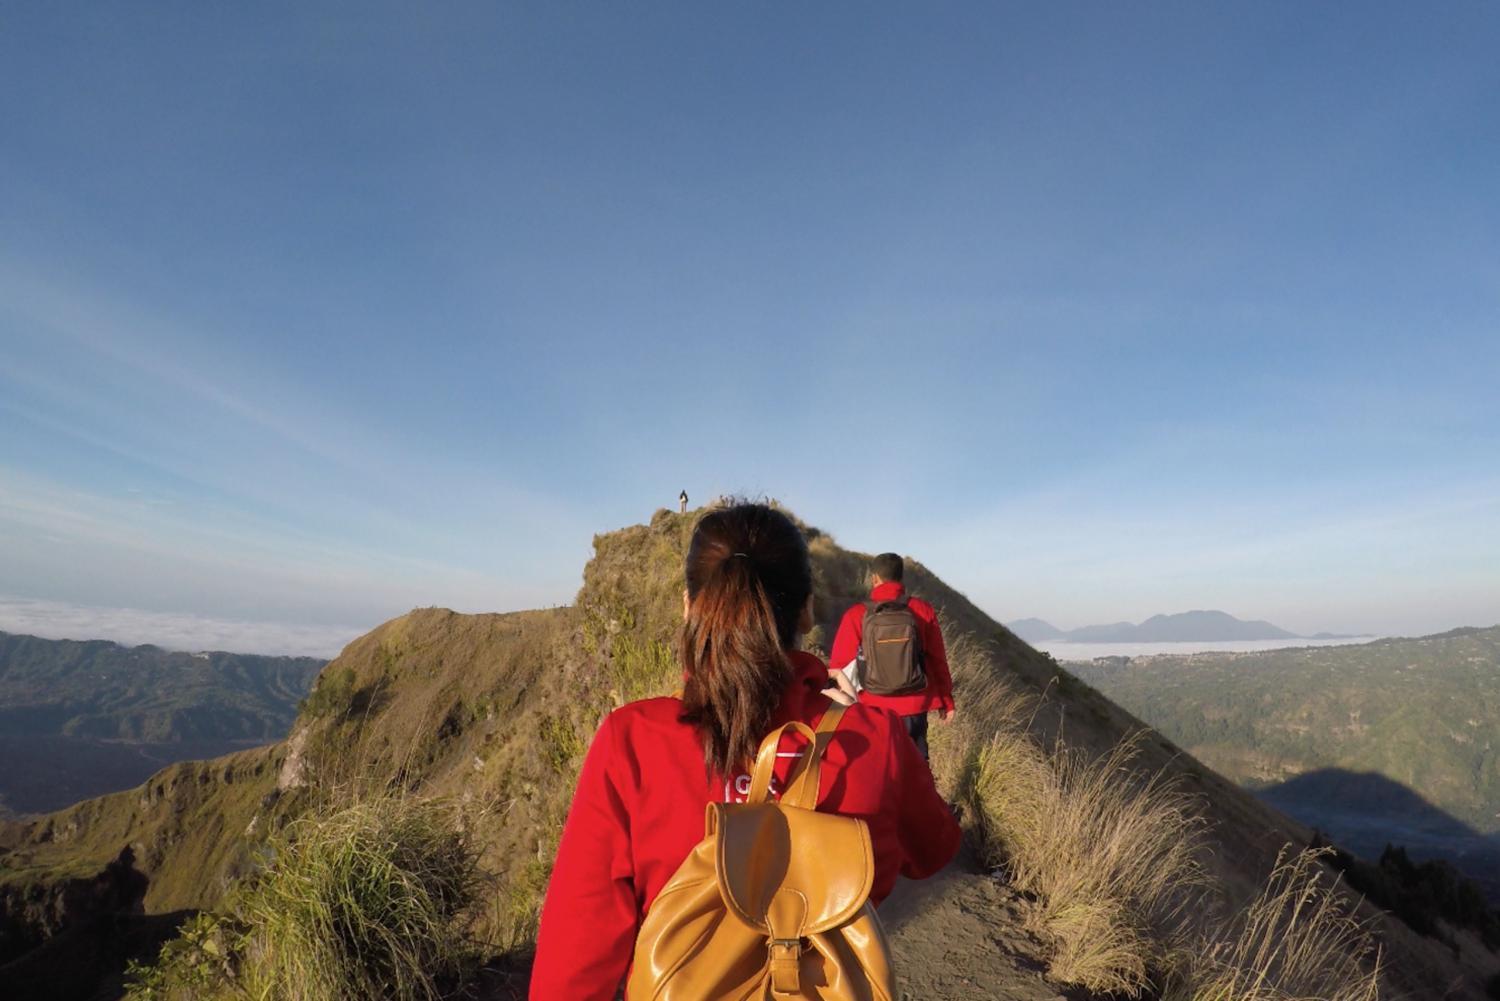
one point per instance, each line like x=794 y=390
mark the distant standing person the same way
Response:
x=682 y=503
x=894 y=646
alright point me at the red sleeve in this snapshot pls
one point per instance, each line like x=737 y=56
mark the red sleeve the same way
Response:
x=930 y=836
x=589 y=919
x=935 y=659
x=846 y=641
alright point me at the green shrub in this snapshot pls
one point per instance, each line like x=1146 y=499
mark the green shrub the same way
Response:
x=561 y=744
x=194 y=966
x=332 y=694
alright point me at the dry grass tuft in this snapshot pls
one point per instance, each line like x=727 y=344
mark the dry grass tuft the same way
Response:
x=1111 y=860
x=1297 y=941
x=989 y=702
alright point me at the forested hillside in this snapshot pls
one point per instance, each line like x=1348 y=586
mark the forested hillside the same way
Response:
x=1396 y=740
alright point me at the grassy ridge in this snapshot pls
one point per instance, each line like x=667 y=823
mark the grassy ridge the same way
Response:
x=494 y=712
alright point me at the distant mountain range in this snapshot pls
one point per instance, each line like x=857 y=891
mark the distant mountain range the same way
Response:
x=82 y=718
x=1184 y=627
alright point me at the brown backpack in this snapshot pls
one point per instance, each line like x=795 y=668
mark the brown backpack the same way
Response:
x=890 y=645
x=773 y=903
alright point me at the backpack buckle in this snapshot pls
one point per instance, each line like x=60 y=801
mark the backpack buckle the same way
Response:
x=786 y=965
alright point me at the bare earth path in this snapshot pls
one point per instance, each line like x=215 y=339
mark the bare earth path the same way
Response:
x=958 y=936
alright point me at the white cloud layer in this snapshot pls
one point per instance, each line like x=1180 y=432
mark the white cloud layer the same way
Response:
x=133 y=626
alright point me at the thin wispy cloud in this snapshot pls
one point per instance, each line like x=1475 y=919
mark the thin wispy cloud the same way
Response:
x=116 y=331
x=336 y=497
x=60 y=536
x=1139 y=329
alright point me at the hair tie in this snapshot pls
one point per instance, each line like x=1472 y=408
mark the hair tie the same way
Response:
x=746 y=555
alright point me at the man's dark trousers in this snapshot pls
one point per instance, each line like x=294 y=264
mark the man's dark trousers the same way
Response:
x=917 y=727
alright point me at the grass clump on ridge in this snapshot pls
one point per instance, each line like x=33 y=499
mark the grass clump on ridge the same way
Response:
x=1298 y=940
x=371 y=901
x=1111 y=862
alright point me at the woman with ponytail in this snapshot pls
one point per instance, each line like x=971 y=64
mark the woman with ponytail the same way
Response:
x=655 y=764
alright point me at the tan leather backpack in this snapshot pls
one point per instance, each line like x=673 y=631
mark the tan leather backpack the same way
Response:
x=773 y=903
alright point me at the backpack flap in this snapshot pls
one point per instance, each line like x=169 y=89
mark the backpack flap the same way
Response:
x=790 y=873
x=784 y=870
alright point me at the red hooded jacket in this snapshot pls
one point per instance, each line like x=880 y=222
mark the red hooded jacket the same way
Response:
x=938 y=695
x=638 y=812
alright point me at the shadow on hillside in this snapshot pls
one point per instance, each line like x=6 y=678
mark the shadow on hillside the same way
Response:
x=42 y=774
x=1365 y=811
x=100 y=927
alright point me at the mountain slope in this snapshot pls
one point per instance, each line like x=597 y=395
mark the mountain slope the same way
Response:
x=1036 y=630
x=496 y=710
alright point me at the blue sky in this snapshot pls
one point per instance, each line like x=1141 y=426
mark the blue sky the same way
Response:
x=311 y=316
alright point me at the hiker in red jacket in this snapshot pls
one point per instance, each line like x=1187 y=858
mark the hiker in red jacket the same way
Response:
x=921 y=683
x=654 y=765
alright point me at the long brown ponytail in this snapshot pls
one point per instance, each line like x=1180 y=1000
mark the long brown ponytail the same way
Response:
x=748 y=578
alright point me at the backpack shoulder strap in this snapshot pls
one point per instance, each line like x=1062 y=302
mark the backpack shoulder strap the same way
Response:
x=802 y=790
x=765 y=758
x=901 y=601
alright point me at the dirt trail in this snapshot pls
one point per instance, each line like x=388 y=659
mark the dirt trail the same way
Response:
x=958 y=936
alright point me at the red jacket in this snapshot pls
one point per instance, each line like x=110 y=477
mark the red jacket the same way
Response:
x=939 y=691
x=639 y=809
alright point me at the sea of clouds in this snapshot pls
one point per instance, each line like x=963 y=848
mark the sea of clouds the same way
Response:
x=174 y=631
